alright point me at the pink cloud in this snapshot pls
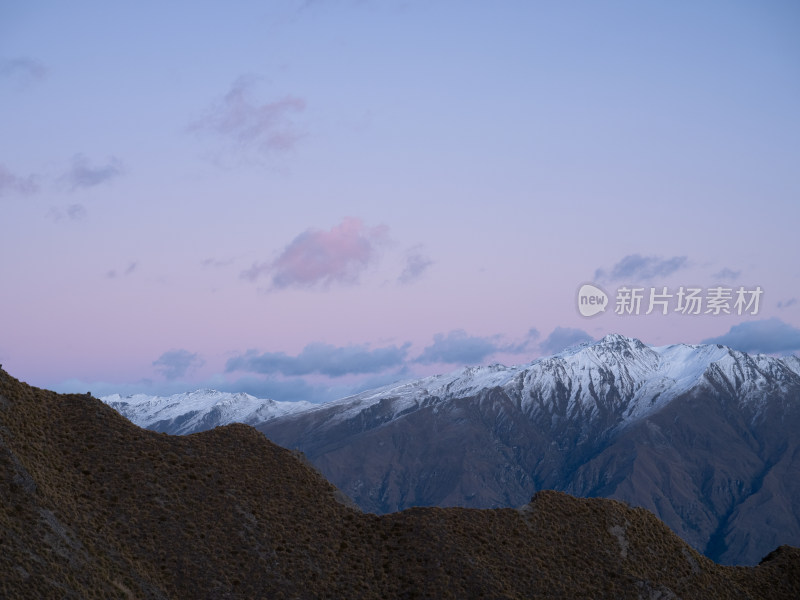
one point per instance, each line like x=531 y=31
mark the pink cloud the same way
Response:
x=318 y=257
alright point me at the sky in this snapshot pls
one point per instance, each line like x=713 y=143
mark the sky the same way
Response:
x=305 y=199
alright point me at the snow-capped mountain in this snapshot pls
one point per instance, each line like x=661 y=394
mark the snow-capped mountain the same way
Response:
x=706 y=437
x=199 y=410
x=616 y=375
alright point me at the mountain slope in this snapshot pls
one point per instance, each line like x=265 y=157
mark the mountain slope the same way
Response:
x=94 y=507
x=704 y=436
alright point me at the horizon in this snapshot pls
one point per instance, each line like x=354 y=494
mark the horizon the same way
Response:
x=454 y=372
x=305 y=198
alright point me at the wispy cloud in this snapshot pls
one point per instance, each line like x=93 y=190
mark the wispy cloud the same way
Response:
x=262 y=127
x=768 y=336
x=727 y=274
x=636 y=267
x=82 y=174
x=527 y=345
x=320 y=258
x=72 y=212
x=176 y=363
x=16 y=184
x=787 y=303
x=323 y=359
x=129 y=270
x=563 y=337
x=216 y=262
x=22 y=71
x=416 y=264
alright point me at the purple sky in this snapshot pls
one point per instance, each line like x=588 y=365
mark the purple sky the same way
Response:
x=302 y=199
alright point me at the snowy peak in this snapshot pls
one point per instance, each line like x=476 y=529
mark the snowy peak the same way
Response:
x=616 y=374
x=753 y=377
x=613 y=382
x=792 y=362
x=199 y=410
x=640 y=380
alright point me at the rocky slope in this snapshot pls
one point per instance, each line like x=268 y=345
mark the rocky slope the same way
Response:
x=95 y=507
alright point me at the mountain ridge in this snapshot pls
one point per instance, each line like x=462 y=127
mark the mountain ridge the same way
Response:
x=148 y=410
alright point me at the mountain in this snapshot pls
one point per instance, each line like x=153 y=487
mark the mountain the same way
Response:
x=200 y=410
x=705 y=437
x=95 y=507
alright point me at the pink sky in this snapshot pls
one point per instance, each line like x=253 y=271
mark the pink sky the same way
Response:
x=304 y=199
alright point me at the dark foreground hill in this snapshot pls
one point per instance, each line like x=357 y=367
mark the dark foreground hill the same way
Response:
x=94 y=507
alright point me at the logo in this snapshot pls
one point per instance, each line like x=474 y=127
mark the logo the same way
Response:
x=591 y=300
x=687 y=300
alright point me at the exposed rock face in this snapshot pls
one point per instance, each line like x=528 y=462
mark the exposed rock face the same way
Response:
x=94 y=507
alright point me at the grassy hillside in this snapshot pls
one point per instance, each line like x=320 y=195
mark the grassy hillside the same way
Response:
x=94 y=507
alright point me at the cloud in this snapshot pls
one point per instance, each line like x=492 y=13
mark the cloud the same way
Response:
x=216 y=262
x=176 y=363
x=73 y=212
x=321 y=358
x=767 y=336
x=12 y=183
x=787 y=303
x=563 y=337
x=526 y=345
x=22 y=71
x=636 y=267
x=84 y=175
x=458 y=347
x=727 y=274
x=320 y=258
x=387 y=364
x=261 y=127
x=416 y=264
x=112 y=274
